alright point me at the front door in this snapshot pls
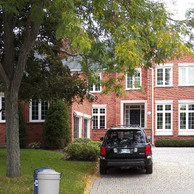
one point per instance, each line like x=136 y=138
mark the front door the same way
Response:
x=135 y=117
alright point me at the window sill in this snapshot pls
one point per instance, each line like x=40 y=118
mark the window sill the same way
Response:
x=186 y=132
x=128 y=89
x=163 y=133
x=169 y=86
x=185 y=85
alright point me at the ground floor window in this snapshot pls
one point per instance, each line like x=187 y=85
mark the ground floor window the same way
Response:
x=86 y=128
x=2 y=109
x=186 y=118
x=164 y=118
x=99 y=116
x=38 y=110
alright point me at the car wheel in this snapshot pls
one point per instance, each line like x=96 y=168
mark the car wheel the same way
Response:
x=149 y=169
x=102 y=170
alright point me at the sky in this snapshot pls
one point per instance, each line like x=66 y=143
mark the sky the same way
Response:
x=178 y=7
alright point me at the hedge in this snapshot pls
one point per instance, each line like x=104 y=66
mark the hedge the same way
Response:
x=174 y=143
x=83 y=149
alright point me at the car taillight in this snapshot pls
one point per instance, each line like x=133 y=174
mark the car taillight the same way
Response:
x=103 y=150
x=148 y=150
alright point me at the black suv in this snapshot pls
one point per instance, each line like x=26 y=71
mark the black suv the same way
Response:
x=125 y=146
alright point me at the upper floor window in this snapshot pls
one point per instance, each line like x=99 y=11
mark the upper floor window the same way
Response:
x=2 y=109
x=38 y=110
x=164 y=75
x=186 y=72
x=99 y=117
x=96 y=87
x=134 y=82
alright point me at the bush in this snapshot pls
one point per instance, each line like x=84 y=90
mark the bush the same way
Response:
x=56 y=129
x=34 y=145
x=86 y=150
x=82 y=140
x=174 y=143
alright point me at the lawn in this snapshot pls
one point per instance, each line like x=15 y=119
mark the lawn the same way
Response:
x=74 y=178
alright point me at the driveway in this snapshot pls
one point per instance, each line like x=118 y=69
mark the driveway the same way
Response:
x=173 y=173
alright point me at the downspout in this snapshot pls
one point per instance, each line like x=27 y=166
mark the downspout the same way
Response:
x=152 y=106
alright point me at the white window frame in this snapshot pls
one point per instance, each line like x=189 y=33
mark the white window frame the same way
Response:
x=102 y=106
x=133 y=87
x=1 y=120
x=164 y=67
x=79 y=115
x=94 y=85
x=186 y=66
x=164 y=132
x=88 y=118
x=185 y=132
x=39 y=112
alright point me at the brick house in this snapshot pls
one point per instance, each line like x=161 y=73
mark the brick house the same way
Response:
x=160 y=99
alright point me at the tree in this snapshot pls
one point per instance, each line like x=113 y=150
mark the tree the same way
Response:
x=116 y=35
x=56 y=129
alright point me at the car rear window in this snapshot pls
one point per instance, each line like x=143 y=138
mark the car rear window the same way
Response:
x=131 y=135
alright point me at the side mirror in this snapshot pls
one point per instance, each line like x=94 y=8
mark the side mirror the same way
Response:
x=101 y=138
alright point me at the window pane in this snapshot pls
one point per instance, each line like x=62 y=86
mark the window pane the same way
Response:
x=159 y=121
x=44 y=109
x=34 y=109
x=160 y=107
x=137 y=81
x=168 y=76
x=3 y=109
x=142 y=118
x=191 y=120
x=190 y=75
x=129 y=82
x=102 y=122
x=159 y=76
x=76 y=127
x=182 y=120
x=191 y=106
x=167 y=107
x=182 y=107
x=95 y=111
x=95 y=122
x=97 y=87
x=167 y=120
x=183 y=76
x=102 y=111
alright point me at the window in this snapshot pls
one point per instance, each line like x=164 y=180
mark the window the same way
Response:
x=38 y=110
x=164 y=75
x=99 y=117
x=186 y=118
x=164 y=118
x=186 y=72
x=134 y=82
x=96 y=87
x=2 y=109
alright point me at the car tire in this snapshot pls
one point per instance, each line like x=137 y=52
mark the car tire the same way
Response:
x=149 y=169
x=103 y=170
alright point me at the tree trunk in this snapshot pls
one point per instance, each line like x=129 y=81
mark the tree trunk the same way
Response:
x=12 y=133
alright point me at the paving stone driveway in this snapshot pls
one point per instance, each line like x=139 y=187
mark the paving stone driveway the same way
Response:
x=173 y=173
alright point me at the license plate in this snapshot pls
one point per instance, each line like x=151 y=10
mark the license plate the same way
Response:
x=125 y=151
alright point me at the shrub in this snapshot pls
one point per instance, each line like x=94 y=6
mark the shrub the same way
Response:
x=174 y=143
x=34 y=145
x=22 y=127
x=84 y=151
x=56 y=129
x=82 y=140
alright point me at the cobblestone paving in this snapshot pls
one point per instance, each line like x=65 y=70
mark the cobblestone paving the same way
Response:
x=173 y=173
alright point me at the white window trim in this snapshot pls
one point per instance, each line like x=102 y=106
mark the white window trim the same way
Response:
x=185 y=132
x=133 y=77
x=39 y=113
x=164 y=66
x=164 y=132
x=1 y=96
x=94 y=85
x=88 y=118
x=184 y=65
x=99 y=106
x=123 y=102
x=79 y=115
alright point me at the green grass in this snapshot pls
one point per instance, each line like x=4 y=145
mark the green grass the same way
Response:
x=74 y=178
